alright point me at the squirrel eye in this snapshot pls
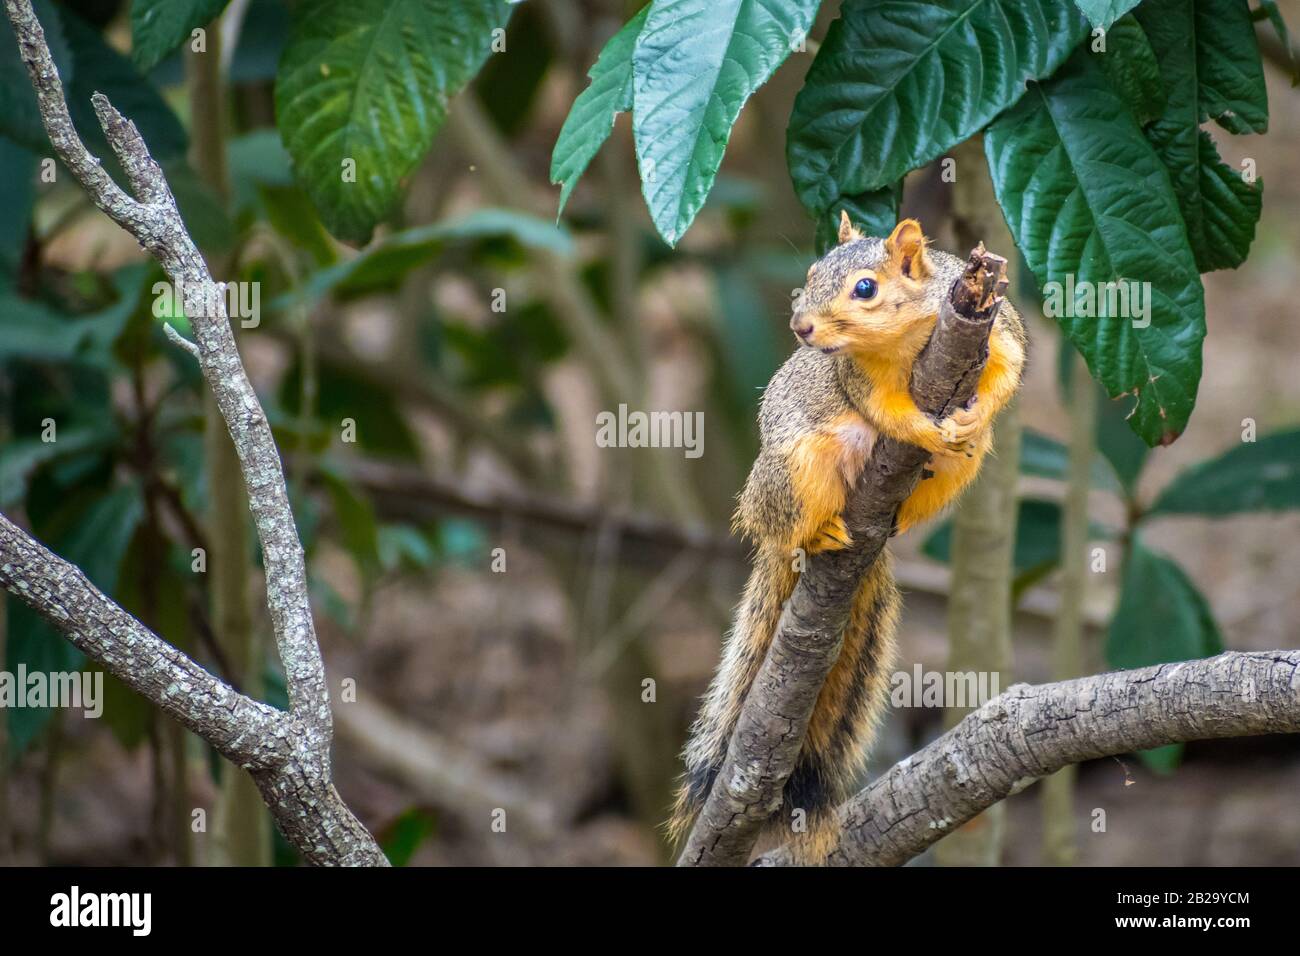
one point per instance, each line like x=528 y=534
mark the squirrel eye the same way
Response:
x=865 y=289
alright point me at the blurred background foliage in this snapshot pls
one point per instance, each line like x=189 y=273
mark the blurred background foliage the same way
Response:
x=432 y=345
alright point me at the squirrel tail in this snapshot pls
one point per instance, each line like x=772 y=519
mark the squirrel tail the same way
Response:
x=844 y=718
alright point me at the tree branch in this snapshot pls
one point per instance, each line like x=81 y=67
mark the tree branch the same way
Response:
x=1030 y=732
x=300 y=791
x=248 y=733
x=774 y=718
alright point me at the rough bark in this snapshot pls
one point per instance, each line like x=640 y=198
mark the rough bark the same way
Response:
x=775 y=716
x=1032 y=731
x=288 y=755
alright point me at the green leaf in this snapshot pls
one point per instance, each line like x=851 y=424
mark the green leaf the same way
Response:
x=201 y=209
x=36 y=645
x=1229 y=74
x=362 y=89
x=19 y=118
x=1103 y=13
x=403 y=545
x=381 y=428
x=406 y=834
x=1130 y=65
x=95 y=539
x=1038 y=536
x=1269 y=9
x=1090 y=204
x=591 y=119
x=160 y=26
x=1262 y=475
x=875 y=213
x=1161 y=618
x=394 y=256
x=1126 y=452
x=33 y=330
x=101 y=69
x=20 y=458
x=1163 y=760
x=898 y=83
x=1219 y=206
x=354 y=518
x=18 y=173
x=507 y=87
x=695 y=64
x=257 y=159
x=1045 y=457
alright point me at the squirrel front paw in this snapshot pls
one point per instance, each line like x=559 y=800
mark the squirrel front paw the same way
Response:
x=957 y=436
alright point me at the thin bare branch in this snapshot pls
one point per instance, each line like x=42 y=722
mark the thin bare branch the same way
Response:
x=299 y=791
x=246 y=732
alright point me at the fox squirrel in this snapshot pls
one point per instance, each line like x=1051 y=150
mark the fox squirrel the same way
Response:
x=865 y=314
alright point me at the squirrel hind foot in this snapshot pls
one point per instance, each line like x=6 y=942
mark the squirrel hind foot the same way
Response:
x=832 y=536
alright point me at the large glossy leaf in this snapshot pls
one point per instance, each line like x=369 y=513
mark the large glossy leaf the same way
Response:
x=160 y=26
x=363 y=88
x=875 y=213
x=1130 y=65
x=592 y=116
x=1262 y=475
x=1219 y=206
x=1161 y=618
x=1089 y=203
x=1103 y=13
x=1229 y=73
x=695 y=64
x=897 y=83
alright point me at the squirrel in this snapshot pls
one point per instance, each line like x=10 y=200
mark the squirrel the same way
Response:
x=864 y=315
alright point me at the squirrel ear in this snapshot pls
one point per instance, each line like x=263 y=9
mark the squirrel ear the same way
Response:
x=847 y=232
x=906 y=248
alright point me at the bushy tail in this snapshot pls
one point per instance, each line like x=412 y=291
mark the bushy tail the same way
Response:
x=843 y=721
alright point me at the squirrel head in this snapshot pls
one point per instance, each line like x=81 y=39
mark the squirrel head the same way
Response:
x=867 y=293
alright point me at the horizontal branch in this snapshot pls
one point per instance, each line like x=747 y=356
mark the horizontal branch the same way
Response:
x=405 y=493
x=1030 y=732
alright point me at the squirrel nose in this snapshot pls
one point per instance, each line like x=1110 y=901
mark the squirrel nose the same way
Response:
x=802 y=327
